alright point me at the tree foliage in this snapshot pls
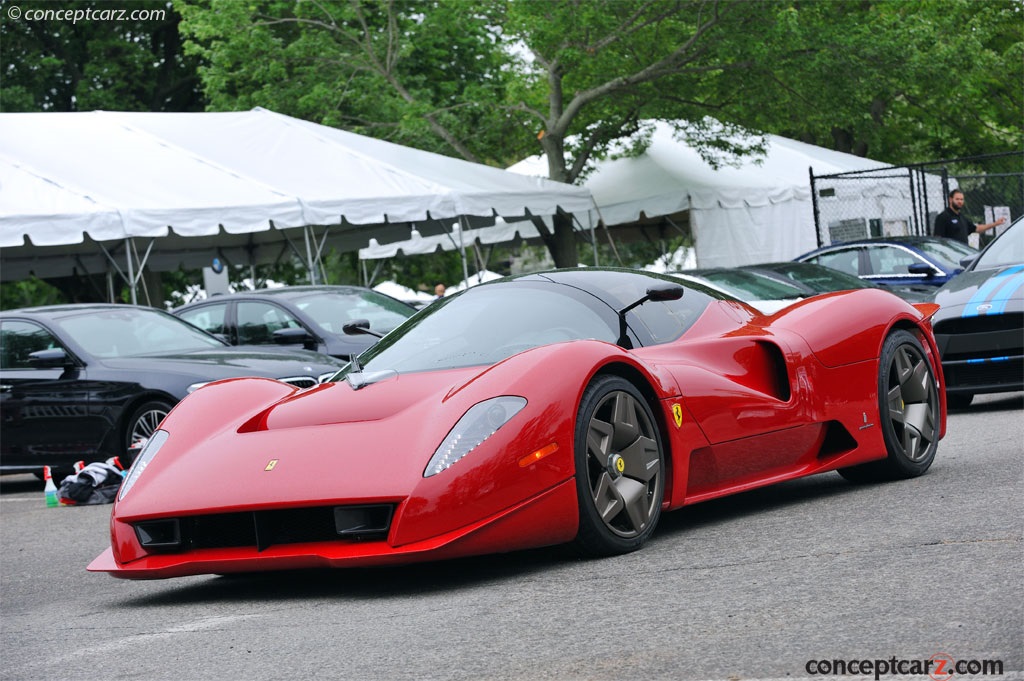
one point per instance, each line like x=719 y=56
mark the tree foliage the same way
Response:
x=62 y=63
x=902 y=80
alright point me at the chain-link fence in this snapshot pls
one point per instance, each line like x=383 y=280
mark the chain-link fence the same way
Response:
x=904 y=200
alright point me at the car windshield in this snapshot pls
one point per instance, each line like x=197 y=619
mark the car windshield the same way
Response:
x=332 y=310
x=488 y=323
x=821 y=279
x=749 y=286
x=948 y=252
x=1007 y=249
x=133 y=332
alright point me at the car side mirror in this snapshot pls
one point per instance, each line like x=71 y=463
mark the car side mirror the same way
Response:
x=52 y=358
x=921 y=268
x=968 y=260
x=292 y=336
x=360 y=326
x=657 y=293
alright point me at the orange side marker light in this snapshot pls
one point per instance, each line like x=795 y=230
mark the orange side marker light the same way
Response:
x=536 y=456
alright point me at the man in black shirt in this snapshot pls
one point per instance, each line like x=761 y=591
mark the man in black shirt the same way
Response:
x=953 y=224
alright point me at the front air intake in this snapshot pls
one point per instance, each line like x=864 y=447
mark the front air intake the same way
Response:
x=263 y=529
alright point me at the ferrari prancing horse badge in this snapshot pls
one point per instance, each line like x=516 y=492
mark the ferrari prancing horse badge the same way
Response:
x=677 y=414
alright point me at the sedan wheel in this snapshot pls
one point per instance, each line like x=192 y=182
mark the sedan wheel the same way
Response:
x=909 y=411
x=143 y=423
x=620 y=468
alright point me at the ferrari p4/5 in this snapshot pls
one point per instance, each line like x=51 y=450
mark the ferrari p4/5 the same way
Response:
x=566 y=406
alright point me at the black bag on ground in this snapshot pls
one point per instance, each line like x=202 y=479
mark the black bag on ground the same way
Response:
x=97 y=483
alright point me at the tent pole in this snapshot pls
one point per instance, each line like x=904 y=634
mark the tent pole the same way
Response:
x=131 y=269
x=310 y=269
x=463 y=225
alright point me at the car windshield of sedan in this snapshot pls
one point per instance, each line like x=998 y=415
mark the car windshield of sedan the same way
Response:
x=1007 y=249
x=821 y=279
x=485 y=325
x=133 y=332
x=749 y=286
x=949 y=252
x=333 y=310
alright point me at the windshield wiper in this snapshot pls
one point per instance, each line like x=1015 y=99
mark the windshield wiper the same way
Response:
x=361 y=379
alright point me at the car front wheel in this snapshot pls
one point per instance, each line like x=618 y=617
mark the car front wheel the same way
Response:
x=141 y=425
x=620 y=468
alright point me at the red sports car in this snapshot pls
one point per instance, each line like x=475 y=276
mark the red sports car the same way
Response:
x=566 y=406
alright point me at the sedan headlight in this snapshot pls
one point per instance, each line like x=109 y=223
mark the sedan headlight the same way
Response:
x=153 y=445
x=479 y=423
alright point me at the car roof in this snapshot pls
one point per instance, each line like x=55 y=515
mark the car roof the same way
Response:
x=63 y=310
x=287 y=292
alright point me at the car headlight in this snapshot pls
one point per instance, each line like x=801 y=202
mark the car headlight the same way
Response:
x=479 y=423
x=153 y=445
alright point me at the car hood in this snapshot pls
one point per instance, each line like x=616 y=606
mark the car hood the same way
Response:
x=982 y=292
x=229 y=363
x=258 y=443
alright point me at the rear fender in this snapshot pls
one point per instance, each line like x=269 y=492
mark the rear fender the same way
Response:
x=847 y=327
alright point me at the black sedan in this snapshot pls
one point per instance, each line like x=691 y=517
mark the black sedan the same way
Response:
x=979 y=327
x=87 y=382
x=311 y=317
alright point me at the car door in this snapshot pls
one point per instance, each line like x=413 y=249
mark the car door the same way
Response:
x=891 y=264
x=212 y=318
x=844 y=259
x=257 y=320
x=44 y=407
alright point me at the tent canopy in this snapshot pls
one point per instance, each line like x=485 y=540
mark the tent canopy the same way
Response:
x=74 y=187
x=756 y=211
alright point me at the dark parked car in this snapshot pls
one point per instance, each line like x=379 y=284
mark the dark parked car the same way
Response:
x=813 y=279
x=311 y=317
x=895 y=261
x=979 y=327
x=766 y=295
x=87 y=382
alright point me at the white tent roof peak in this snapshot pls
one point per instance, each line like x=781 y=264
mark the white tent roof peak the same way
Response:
x=756 y=209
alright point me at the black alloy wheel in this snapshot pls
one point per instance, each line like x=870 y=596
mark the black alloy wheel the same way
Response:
x=620 y=468
x=909 y=412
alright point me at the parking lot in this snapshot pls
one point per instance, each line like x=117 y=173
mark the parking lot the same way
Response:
x=765 y=585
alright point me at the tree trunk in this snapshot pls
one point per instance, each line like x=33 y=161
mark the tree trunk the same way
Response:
x=563 y=245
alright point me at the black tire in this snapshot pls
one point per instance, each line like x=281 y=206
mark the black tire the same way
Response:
x=620 y=468
x=959 y=400
x=143 y=423
x=908 y=406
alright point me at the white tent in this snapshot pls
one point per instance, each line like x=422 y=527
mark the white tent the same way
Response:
x=755 y=212
x=458 y=238
x=96 y=190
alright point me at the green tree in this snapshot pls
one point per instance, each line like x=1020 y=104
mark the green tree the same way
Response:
x=498 y=80
x=54 y=62
x=899 y=80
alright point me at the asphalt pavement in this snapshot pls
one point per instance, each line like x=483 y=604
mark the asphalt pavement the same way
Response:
x=786 y=582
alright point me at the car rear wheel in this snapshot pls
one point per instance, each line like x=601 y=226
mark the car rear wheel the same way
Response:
x=909 y=412
x=142 y=424
x=620 y=468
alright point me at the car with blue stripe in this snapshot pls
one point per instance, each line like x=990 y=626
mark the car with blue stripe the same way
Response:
x=979 y=327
